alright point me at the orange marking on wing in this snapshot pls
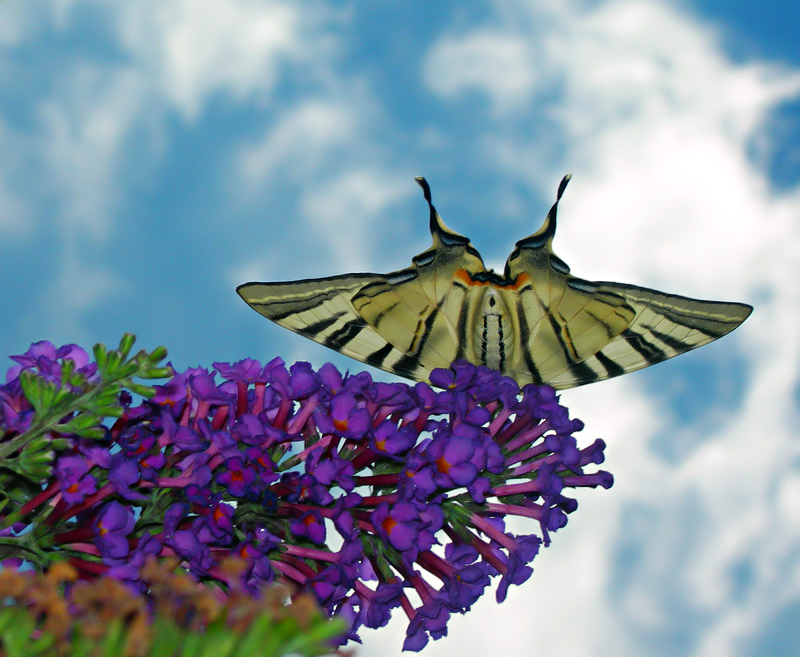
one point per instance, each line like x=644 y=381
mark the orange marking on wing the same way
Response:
x=521 y=280
x=464 y=276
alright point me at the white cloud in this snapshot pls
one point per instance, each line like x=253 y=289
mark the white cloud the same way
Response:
x=100 y=123
x=175 y=57
x=476 y=60
x=83 y=132
x=20 y=20
x=346 y=210
x=329 y=145
x=301 y=143
x=198 y=49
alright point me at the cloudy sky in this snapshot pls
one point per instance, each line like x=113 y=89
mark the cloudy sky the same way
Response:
x=154 y=154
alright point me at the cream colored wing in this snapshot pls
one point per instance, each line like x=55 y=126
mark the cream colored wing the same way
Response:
x=421 y=310
x=575 y=331
x=320 y=309
x=406 y=322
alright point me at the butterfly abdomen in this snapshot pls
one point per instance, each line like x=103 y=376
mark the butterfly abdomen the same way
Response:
x=493 y=334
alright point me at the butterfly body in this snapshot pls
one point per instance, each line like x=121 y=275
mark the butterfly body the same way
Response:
x=536 y=323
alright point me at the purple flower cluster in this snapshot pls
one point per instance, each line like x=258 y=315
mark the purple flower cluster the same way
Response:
x=16 y=412
x=371 y=495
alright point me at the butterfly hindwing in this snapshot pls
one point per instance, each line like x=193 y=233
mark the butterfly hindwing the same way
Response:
x=665 y=326
x=594 y=331
x=536 y=323
x=420 y=310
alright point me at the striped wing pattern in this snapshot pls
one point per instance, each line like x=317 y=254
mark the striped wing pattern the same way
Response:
x=536 y=323
x=320 y=309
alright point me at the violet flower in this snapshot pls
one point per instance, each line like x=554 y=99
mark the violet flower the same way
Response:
x=275 y=465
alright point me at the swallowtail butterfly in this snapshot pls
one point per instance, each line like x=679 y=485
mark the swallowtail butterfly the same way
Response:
x=536 y=323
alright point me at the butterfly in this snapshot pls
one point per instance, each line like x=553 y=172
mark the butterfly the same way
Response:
x=536 y=323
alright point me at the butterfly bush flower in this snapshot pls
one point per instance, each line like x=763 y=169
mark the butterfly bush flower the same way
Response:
x=378 y=498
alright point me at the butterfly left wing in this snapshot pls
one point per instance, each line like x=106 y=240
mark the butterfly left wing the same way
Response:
x=401 y=322
x=421 y=310
x=320 y=309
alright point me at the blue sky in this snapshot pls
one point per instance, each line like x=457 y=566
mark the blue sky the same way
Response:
x=154 y=155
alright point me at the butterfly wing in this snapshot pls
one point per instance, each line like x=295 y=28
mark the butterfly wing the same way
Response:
x=575 y=331
x=665 y=326
x=401 y=322
x=421 y=310
x=320 y=309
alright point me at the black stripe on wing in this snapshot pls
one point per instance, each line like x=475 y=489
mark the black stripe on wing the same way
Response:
x=665 y=326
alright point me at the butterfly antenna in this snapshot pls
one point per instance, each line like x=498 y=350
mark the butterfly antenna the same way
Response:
x=562 y=186
x=549 y=228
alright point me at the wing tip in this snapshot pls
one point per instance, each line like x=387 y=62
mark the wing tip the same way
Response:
x=745 y=311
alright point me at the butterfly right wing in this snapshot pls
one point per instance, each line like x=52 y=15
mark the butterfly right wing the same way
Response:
x=423 y=310
x=575 y=331
x=408 y=322
x=665 y=325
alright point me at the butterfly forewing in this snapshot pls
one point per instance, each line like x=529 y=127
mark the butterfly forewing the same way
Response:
x=536 y=323
x=320 y=309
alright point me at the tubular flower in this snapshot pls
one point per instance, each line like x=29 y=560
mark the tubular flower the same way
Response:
x=271 y=465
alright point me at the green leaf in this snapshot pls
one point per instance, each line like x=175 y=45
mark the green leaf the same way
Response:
x=148 y=392
x=7 y=618
x=35 y=460
x=81 y=646
x=67 y=369
x=159 y=353
x=217 y=641
x=97 y=433
x=114 y=640
x=158 y=373
x=59 y=444
x=191 y=645
x=167 y=638
x=17 y=631
x=127 y=370
x=253 y=642
x=48 y=392
x=63 y=397
x=112 y=362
